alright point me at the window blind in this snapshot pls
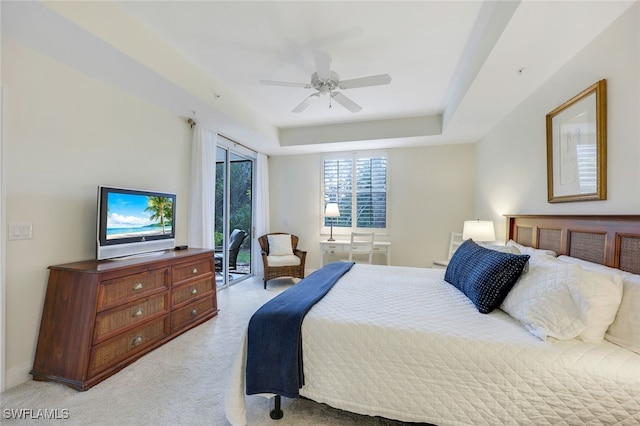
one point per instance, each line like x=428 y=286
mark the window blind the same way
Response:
x=358 y=184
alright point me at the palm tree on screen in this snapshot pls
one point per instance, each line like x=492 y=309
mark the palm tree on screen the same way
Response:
x=161 y=209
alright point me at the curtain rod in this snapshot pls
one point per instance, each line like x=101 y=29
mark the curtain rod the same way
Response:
x=237 y=143
x=191 y=122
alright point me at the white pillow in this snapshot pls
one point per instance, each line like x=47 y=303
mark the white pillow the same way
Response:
x=505 y=249
x=501 y=248
x=543 y=299
x=280 y=245
x=624 y=331
x=600 y=295
x=530 y=250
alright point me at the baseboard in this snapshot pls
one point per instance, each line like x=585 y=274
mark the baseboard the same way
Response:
x=18 y=375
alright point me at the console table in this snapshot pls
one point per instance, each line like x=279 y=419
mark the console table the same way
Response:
x=100 y=316
x=344 y=246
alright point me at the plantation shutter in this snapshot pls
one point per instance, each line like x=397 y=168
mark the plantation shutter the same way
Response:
x=338 y=188
x=358 y=184
x=371 y=184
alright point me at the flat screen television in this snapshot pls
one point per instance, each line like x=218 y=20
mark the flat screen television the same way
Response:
x=134 y=222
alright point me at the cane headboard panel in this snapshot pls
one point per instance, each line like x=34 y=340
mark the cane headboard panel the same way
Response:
x=608 y=240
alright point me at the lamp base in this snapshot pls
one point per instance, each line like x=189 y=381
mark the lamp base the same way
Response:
x=331 y=234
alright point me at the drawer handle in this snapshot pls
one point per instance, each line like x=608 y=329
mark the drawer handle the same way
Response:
x=138 y=286
x=195 y=271
x=136 y=341
x=138 y=313
x=194 y=312
x=194 y=291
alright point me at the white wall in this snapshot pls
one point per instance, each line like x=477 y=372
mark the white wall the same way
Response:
x=511 y=159
x=66 y=133
x=431 y=192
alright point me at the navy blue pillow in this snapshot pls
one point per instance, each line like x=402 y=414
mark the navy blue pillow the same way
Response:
x=485 y=276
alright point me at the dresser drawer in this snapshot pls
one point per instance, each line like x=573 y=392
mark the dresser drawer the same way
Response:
x=121 y=290
x=106 y=354
x=193 y=291
x=192 y=312
x=110 y=322
x=191 y=270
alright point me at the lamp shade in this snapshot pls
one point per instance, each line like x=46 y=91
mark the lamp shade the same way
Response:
x=478 y=230
x=332 y=210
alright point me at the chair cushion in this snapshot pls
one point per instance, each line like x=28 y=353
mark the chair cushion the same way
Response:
x=280 y=245
x=286 y=260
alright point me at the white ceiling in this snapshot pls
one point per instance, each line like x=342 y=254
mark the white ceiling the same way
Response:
x=457 y=67
x=418 y=43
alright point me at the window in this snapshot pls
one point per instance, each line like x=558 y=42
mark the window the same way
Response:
x=358 y=184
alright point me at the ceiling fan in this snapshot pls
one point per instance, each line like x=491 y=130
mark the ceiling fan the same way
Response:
x=326 y=82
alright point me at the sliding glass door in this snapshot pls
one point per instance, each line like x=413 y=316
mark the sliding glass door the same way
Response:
x=234 y=214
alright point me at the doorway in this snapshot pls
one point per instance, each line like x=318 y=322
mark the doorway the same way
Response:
x=233 y=213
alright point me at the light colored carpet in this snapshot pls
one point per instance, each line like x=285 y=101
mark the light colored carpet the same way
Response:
x=182 y=382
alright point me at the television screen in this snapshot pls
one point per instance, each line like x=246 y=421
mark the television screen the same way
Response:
x=132 y=221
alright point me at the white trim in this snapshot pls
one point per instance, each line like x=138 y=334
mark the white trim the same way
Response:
x=3 y=227
x=19 y=374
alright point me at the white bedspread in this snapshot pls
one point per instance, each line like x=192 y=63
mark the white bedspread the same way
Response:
x=401 y=343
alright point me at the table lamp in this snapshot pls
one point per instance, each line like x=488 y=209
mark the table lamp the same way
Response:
x=332 y=211
x=478 y=230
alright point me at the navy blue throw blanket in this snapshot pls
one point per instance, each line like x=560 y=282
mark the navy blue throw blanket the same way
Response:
x=274 y=345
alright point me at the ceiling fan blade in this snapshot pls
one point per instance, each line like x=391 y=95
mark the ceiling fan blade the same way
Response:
x=304 y=104
x=346 y=102
x=323 y=64
x=285 y=83
x=374 y=80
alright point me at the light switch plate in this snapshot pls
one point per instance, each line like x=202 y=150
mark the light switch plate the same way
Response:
x=20 y=231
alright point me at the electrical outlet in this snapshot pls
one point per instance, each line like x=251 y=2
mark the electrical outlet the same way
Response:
x=20 y=231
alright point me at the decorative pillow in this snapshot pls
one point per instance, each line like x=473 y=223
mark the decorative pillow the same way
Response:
x=624 y=331
x=543 y=300
x=484 y=276
x=530 y=250
x=280 y=245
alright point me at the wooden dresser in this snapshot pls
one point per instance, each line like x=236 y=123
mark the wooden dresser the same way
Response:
x=100 y=316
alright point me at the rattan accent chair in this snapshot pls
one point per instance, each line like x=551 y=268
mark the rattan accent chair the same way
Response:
x=282 y=268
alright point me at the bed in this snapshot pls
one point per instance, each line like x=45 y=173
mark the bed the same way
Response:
x=402 y=343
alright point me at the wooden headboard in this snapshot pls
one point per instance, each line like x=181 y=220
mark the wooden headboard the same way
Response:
x=608 y=240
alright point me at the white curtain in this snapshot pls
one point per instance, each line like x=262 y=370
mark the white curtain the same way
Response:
x=203 y=180
x=261 y=218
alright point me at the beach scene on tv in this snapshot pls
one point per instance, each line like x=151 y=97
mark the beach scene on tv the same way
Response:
x=131 y=216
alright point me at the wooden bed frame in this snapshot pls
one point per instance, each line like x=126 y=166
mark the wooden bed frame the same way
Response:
x=608 y=240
